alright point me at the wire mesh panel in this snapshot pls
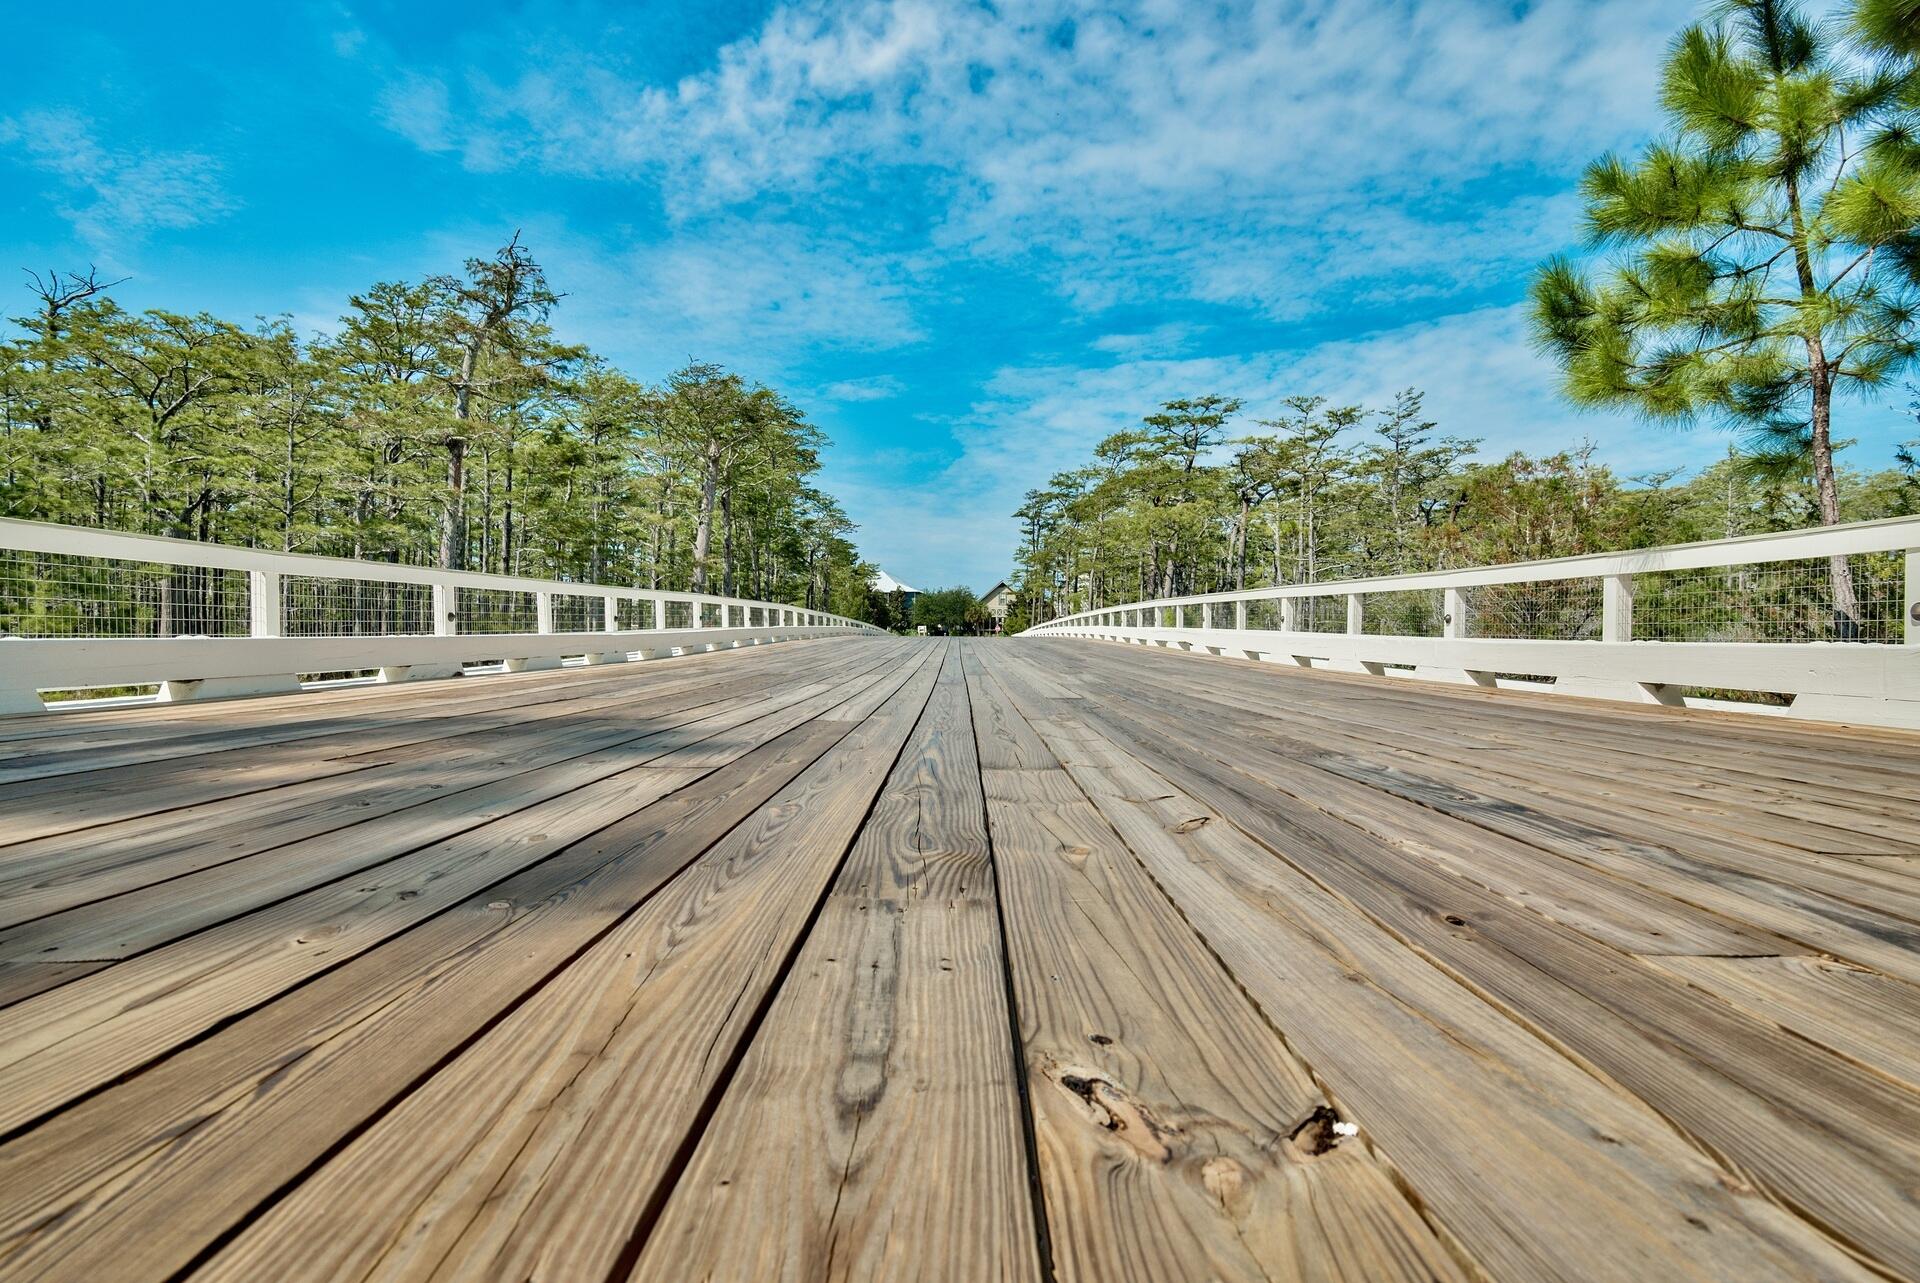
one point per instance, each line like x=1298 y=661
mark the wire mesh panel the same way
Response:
x=679 y=614
x=736 y=616
x=1777 y=601
x=1192 y=616
x=311 y=606
x=632 y=613
x=1264 y=613
x=498 y=610
x=1323 y=614
x=710 y=615
x=1220 y=614
x=1415 y=612
x=60 y=595
x=574 y=613
x=1550 y=610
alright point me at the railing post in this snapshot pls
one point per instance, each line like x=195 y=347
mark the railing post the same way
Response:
x=1356 y=612
x=1240 y=615
x=543 y=612
x=612 y=616
x=1454 y=624
x=1913 y=597
x=1289 y=614
x=1616 y=605
x=263 y=603
x=446 y=610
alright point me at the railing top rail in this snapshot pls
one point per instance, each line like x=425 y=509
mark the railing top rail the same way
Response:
x=1890 y=534
x=86 y=541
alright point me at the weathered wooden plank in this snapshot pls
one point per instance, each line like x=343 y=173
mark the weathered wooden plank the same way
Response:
x=539 y=1150
x=101 y=794
x=137 y=1181
x=1536 y=1167
x=1856 y=1012
x=54 y=874
x=316 y=718
x=1424 y=724
x=1816 y=1132
x=580 y=757
x=1739 y=884
x=1177 y=1134
x=1621 y=912
x=874 y=1130
x=1784 y=753
x=58 y=1045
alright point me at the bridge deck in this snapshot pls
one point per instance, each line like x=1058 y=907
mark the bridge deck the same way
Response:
x=914 y=959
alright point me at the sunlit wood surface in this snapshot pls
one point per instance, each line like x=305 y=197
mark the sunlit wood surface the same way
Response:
x=917 y=959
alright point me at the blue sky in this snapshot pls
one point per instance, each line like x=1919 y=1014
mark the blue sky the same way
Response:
x=970 y=241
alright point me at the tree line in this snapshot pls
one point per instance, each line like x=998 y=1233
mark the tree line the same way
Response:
x=1198 y=500
x=443 y=422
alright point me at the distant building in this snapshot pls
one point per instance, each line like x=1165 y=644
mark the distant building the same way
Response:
x=998 y=600
x=882 y=582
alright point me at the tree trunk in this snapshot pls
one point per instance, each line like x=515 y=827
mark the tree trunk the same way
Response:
x=1240 y=546
x=1846 y=605
x=453 y=527
x=1846 y=602
x=726 y=544
x=703 y=529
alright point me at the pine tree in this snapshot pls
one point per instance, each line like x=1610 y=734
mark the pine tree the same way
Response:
x=1763 y=252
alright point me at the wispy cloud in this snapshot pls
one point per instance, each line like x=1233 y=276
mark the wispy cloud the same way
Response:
x=760 y=293
x=114 y=197
x=1261 y=154
x=878 y=387
x=418 y=108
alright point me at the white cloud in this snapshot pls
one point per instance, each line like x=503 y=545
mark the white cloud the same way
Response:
x=1272 y=154
x=115 y=197
x=760 y=293
x=418 y=109
x=1162 y=340
x=878 y=387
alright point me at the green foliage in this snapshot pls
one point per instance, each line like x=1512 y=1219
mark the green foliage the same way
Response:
x=950 y=611
x=1343 y=492
x=1764 y=257
x=443 y=423
x=1891 y=26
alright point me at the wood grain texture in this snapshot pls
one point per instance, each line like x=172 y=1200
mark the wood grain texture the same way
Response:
x=872 y=1131
x=1534 y=1166
x=1177 y=1134
x=915 y=958
x=60 y=1044
x=553 y=1134
x=81 y=1196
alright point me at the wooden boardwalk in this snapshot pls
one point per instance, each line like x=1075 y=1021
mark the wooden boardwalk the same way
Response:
x=913 y=959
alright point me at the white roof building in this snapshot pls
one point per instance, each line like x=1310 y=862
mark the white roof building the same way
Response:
x=884 y=582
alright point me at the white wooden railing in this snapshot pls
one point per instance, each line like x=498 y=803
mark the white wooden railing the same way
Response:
x=1733 y=623
x=85 y=610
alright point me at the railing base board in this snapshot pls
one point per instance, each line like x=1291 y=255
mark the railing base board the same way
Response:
x=536 y=664
x=1861 y=710
x=17 y=701
x=418 y=672
x=179 y=692
x=1606 y=688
